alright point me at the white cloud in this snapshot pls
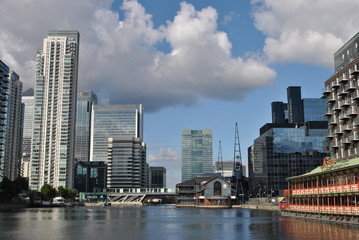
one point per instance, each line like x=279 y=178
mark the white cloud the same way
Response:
x=304 y=30
x=118 y=55
x=164 y=154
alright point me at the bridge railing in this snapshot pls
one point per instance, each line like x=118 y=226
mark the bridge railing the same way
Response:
x=140 y=190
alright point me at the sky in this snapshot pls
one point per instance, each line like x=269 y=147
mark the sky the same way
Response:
x=192 y=64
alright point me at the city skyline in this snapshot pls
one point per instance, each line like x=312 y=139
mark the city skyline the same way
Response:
x=141 y=58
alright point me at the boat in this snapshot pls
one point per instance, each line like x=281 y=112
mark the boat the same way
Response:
x=58 y=202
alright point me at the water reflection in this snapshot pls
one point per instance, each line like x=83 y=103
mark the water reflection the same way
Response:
x=304 y=229
x=164 y=222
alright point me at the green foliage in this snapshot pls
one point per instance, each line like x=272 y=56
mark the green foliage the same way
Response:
x=67 y=193
x=48 y=192
x=11 y=189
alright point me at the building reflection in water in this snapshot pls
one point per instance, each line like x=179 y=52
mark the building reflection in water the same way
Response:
x=307 y=229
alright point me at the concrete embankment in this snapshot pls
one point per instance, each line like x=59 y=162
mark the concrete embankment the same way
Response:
x=260 y=207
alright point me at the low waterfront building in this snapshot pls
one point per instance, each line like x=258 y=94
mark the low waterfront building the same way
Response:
x=329 y=191
x=205 y=191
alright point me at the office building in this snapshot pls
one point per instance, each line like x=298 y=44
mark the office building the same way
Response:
x=53 y=139
x=28 y=103
x=85 y=102
x=90 y=176
x=127 y=167
x=114 y=122
x=197 y=156
x=288 y=148
x=157 y=177
x=11 y=122
x=342 y=94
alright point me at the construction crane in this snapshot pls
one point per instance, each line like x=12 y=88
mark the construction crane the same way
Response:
x=220 y=159
x=237 y=179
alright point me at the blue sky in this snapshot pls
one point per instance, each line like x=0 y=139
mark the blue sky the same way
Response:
x=195 y=64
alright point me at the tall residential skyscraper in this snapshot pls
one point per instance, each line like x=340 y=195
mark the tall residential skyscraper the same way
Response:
x=196 y=153
x=85 y=102
x=114 y=122
x=29 y=103
x=342 y=95
x=53 y=140
x=11 y=120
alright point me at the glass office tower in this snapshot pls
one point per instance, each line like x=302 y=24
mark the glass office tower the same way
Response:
x=197 y=156
x=11 y=115
x=90 y=176
x=53 y=139
x=284 y=152
x=157 y=177
x=127 y=167
x=114 y=122
x=290 y=147
x=85 y=102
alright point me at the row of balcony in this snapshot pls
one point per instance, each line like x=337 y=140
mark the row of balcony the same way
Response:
x=349 y=210
x=339 y=188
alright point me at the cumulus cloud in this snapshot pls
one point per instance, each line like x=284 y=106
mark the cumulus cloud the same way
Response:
x=305 y=31
x=164 y=154
x=119 y=58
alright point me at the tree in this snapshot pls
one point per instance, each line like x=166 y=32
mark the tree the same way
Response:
x=48 y=192
x=67 y=193
x=21 y=184
x=8 y=190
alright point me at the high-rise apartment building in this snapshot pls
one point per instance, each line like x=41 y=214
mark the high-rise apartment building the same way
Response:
x=85 y=102
x=342 y=94
x=114 y=122
x=11 y=120
x=53 y=139
x=29 y=103
x=197 y=155
x=127 y=167
x=290 y=147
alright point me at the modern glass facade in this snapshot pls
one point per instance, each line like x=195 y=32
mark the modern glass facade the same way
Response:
x=157 y=177
x=85 y=102
x=288 y=148
x=283 y=152
x=53 y=139
x=294 y=104
x=11 y=122
x=197 y=156
x=90 y=176
x=278 y=112
x=114 y=122
x=314 y=109
x=127 y=167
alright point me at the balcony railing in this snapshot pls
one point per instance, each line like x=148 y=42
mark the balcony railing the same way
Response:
x=338 y=188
